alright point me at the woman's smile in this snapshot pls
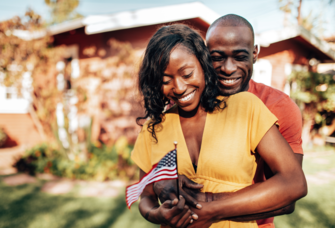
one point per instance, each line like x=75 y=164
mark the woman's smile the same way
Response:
x=185 y=99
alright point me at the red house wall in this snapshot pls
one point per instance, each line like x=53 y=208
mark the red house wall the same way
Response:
x=279 y=54
x=20 y=129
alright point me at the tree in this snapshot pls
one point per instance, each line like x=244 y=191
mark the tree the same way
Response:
x=48 y=68
x=311 y=22
x=63 y=10
x=315 y=94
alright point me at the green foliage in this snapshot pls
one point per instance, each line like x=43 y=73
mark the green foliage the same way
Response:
x=315 y=92
x=62 y=10
x=104 y=163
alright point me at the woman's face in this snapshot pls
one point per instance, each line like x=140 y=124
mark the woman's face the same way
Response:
x=183 y=79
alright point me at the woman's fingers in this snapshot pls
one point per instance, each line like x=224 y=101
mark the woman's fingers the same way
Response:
x=176 y=213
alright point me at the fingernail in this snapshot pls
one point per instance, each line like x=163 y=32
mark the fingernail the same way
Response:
x=180 y=196
x=191 y=221
x=195 y=216
x=199 y=206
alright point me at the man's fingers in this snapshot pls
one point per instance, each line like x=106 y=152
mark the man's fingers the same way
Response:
x=185 y=219
x=191 y=184
x=190 y=200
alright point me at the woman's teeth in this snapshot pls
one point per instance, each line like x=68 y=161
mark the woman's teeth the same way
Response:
x=188 y=97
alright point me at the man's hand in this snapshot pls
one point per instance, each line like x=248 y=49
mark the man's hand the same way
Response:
x=167 y=190
x=205 y=217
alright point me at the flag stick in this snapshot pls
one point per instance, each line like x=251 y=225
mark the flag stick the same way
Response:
x=175 y=146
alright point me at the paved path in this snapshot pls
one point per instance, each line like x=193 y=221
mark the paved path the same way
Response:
x=58 y=186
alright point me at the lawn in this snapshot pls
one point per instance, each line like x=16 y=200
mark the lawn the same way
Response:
x=317 y=209
x=27 y=207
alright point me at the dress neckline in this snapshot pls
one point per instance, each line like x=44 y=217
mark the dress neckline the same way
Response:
x=195 y=166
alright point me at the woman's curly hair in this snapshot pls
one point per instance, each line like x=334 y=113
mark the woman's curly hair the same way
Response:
x=155 y=62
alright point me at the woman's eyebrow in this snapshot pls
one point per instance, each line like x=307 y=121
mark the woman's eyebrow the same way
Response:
x=184 y=67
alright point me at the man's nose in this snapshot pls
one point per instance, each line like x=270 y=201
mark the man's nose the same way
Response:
x=179 y=86
x=228 y=67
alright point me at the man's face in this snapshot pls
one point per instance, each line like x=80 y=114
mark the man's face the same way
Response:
x=233 y=54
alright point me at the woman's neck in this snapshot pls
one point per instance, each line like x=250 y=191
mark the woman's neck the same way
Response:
x=197 y=112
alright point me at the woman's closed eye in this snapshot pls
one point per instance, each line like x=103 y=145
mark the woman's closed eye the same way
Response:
x=166 y=80
x=188 y=75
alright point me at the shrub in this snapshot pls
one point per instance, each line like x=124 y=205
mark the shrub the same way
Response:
x=103 y=162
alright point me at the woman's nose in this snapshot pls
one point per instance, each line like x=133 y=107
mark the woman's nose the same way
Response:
x=179 y=86
x=228 y=67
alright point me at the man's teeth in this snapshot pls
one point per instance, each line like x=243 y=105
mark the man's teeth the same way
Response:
x=187 y=98
x=229 y=81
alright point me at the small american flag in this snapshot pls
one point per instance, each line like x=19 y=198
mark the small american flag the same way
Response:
x=164 y=170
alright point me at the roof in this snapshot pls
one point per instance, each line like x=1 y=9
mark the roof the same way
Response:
x=128 y=19
x=273 y=36
x=150 y=16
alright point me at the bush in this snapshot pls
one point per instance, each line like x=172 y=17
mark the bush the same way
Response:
x=103 y=162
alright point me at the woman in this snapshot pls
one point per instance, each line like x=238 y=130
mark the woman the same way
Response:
x=217 y=135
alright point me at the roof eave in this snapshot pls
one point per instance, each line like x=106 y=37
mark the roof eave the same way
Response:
x=274 y=36
x=146 y=17
x=66 y=26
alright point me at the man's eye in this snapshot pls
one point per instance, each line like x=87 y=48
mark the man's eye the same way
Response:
x=241 y=58
x=217 y=58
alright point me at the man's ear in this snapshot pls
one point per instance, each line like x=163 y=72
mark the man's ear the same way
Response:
x=255 y=53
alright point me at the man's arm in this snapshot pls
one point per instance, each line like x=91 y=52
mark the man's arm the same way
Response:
x=281 y=211
x=287 y=185
x=195 y=197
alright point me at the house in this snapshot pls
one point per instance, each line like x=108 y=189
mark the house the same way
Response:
x=288 y=49
x=87 y=43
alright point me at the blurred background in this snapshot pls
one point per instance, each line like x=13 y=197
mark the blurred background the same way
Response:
x=69 y=101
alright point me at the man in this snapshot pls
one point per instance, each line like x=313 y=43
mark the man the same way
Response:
x=230 y=40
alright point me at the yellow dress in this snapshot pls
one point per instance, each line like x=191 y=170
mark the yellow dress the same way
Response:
x=227 y=161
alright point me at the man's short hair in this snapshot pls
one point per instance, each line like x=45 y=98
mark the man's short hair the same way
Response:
x=232 y=20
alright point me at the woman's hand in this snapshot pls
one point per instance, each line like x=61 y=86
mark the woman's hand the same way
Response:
x=173 y=213
x=167 y=190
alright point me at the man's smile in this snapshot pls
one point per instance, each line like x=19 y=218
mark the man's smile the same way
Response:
x=230 y=82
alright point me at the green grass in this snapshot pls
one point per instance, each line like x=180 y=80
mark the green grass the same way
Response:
x=317 y=209
x=26 y=206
